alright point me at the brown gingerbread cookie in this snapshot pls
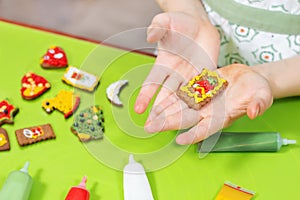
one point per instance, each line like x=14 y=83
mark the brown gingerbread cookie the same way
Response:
x=7 y=112
x=202 y=89
x=30 y=135
x=89 y=124
x=4 y=140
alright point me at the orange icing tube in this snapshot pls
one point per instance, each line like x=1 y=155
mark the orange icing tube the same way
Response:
x=230 y=191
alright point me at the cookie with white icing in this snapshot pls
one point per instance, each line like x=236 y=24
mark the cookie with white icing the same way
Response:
x=80 y=79
x=113 y=90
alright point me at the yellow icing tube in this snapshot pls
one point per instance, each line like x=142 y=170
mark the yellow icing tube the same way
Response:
x=231 y=191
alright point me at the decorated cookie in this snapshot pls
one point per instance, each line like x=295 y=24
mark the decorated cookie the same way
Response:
x=65 y=101
x=113 y=90
x=88 y=124
x=4 y=140
x=7 y=112
x=33 y=86
x=26 y=136
x=202 y=89
x=80 y=79
x=55 y=57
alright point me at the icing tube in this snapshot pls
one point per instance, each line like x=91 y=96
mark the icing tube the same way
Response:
x=79 y=192
x=17 y=185
x=136 y=185
x=247 y=141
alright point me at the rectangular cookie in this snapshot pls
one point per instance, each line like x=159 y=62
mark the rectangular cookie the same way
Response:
x=30 y=135
x=202 y=89
x=4 y=140
x=80 y=79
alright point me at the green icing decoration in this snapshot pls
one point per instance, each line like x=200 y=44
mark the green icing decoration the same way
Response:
x=90 y=121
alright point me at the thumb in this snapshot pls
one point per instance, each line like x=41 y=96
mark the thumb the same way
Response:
x=255 y=108
x=158 y=28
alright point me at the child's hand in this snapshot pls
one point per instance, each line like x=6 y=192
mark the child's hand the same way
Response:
x=247 y=93
x=180 y=37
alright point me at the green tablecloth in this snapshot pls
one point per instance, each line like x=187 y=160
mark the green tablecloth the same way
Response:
x=58 y=164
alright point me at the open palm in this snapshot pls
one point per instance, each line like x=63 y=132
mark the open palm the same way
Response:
x=247 y=93
x=181 y=40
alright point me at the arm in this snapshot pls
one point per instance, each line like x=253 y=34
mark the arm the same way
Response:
x=283 y=76
x=191 y=7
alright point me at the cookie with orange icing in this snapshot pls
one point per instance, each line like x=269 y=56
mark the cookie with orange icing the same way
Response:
x=7 y=112
x=55 y=57
x=202 y=89
x=33 y=86
x=65 y=101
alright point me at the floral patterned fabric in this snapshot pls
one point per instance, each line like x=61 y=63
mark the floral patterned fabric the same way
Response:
x=246 y=45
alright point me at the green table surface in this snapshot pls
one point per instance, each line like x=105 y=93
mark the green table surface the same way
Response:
x=56 y=165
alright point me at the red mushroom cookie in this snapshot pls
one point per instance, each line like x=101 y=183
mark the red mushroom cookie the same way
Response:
x=7 y=112
x=55 y=57
x=33 y=86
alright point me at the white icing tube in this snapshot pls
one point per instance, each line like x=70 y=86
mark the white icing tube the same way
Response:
x=135 y=182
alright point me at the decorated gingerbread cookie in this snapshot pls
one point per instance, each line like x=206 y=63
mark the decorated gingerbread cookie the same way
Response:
x=65 y=101
x=113 y=90
x=26 y=136
x=4 y=140
x=80 y=79
x=33 y=86
x=88 y=124
x=202 y=89
x=55 y=57
x=7 y=112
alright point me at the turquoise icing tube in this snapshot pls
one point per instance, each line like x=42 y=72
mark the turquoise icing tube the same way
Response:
x=247 y=141
x=17 y=185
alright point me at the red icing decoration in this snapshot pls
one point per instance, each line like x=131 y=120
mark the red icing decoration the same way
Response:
x=204 y=84
x=37 y=80
x=6 y=113
x=54 y=58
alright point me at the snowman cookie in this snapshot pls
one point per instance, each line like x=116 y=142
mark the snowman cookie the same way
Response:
x=55 y=57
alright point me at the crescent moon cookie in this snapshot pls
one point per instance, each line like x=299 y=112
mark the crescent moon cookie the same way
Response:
x=80 y=79
x=65 y=101
x=7 y=112
x=202 y=89
x=113 y=90
x=33 y=86
x=26 y=136
x=55 y=57
x=89 y=124
x=4 y=140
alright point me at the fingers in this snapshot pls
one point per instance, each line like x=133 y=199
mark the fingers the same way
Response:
x=158 y=28
x=155 y=78
x=180 y=120
x=258 y=107
x=205 y=128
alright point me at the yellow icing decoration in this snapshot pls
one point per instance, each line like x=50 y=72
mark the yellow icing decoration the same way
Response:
x=205 y=72
x=3 y=140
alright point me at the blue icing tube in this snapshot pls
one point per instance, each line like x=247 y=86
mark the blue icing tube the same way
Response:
x=18 y=185
x=246 y=141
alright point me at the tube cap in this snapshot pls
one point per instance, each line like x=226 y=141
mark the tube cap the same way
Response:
x=287 y=141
